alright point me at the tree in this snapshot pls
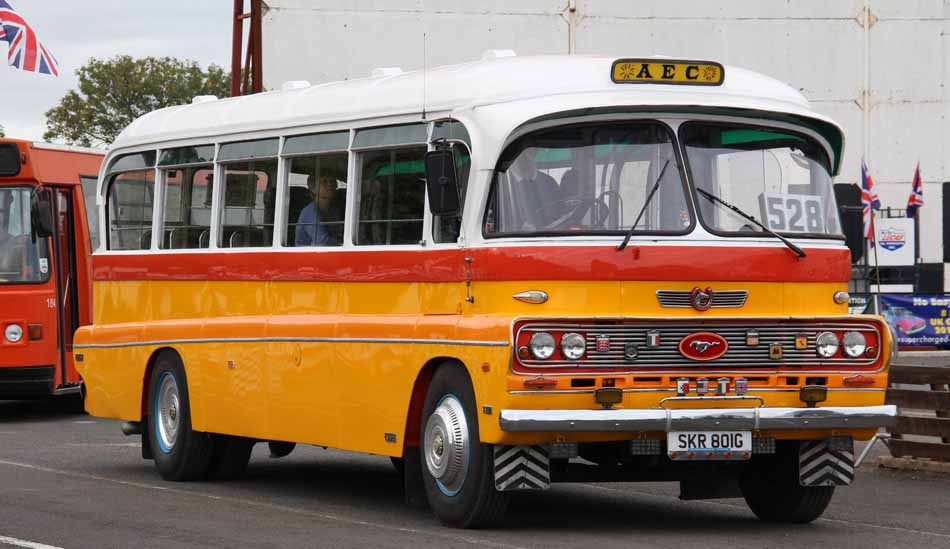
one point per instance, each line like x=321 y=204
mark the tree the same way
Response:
x=114 y=92
x=2 y=133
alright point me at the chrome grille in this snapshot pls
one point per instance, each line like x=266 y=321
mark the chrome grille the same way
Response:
x=722 y=299
x=667 y=354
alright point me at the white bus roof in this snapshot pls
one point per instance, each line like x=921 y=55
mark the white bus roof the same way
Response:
x=448 y=89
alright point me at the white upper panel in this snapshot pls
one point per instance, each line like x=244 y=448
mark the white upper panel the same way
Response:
x=453 y=88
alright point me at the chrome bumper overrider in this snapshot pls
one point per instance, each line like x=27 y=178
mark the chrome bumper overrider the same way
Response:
x=698 y=419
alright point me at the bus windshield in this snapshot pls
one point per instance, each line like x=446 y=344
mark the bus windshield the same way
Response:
x=779 y=177
x=21 y=259
x=589 y=179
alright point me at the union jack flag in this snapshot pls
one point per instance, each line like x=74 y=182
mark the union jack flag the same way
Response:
x=916 y=198
x=26 y=52
x=869 y=200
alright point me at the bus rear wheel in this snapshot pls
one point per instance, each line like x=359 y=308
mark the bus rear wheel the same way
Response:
x=457 y=470
x=230 y=457
x=180 y=453
x=772 y=490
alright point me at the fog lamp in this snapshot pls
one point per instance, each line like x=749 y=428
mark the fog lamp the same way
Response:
x=813 y=394
x=542 y=345
x=573 y=346
x=826 y=344
x=35 y=331
x=854 y=344
x=13 y=333
x=608 y=396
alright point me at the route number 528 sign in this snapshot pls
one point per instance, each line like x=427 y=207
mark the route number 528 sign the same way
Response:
x=793 y=213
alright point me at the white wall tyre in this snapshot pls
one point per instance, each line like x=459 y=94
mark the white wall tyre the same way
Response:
x=457 y=469
x=771 y=488
x=180 y=453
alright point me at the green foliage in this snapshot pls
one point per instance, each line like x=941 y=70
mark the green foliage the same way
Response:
x=114 y=92
x=2 y=133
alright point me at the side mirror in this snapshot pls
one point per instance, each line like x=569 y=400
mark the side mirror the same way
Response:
x=41 y=214
x=442 y=183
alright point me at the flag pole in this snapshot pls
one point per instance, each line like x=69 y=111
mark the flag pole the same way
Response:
x=877 y=266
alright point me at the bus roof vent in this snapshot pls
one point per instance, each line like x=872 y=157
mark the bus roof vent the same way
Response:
x=295 y=85
x=385 y=71
x=489 y=55
x=203 y=99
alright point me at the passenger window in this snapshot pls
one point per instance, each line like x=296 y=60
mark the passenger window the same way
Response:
x=447 y=228
x=130 y=210
x=316 y=200
x=392 y=196
x=249 y=198
x=188 y=193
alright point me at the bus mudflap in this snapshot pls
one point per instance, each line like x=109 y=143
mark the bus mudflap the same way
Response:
x=828 y=462
x=522 y=468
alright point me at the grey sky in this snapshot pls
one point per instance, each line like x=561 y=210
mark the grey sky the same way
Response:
x=74 y=31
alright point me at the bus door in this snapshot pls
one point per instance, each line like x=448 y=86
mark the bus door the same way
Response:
x=65 y=270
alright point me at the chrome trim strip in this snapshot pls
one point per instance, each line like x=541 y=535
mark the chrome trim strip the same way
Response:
x=292 y=340
x=673 y=390
x=698 y=419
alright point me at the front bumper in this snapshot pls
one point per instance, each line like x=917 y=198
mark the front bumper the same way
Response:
x=698 y=419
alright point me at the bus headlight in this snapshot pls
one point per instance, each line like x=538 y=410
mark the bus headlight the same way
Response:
x=542 y=345
x=573 y=346
x=826 y=344
x=854 y=344
x=13 y=333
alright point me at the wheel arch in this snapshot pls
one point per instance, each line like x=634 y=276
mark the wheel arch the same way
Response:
x=147 y=376
x=420 y=387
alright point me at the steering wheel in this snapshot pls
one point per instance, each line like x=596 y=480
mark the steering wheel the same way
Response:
x=572 y=210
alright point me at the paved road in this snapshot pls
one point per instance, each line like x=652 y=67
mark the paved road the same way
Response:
x=68 y=480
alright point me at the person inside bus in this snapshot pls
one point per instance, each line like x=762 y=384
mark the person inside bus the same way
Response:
x=537 y=191
x=325 y=208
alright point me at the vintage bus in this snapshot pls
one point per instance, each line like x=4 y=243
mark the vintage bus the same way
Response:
x=45 y=287
x=501 y=274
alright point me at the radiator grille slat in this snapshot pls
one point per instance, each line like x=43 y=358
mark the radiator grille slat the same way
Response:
x=723 y=299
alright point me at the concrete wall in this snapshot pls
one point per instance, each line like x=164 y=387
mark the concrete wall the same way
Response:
x=823 y=47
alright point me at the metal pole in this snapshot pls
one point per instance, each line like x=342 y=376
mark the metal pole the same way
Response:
x=237 y=28
x=254 y=42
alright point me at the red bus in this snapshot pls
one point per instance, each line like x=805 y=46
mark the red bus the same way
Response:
x=45 y=292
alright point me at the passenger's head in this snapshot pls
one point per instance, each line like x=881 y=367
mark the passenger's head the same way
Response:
x=323 y=190
x=525 y=166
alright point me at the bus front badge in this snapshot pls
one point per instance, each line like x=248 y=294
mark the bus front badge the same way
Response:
x=700 y=299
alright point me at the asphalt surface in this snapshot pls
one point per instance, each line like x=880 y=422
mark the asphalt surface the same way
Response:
x=70 y=480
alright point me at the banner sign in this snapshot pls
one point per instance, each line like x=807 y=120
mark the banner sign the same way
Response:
x=918 y=320
x=895 y=238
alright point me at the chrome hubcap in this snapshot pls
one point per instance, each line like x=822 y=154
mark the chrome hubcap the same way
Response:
x=168 y=407
x=446 y=445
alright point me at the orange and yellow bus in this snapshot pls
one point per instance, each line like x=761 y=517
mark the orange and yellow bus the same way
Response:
x=45 y=287
x=501 y=274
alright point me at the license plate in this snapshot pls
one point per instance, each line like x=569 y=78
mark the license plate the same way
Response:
x=707 y=445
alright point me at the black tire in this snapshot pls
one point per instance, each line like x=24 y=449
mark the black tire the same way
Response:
x=772 y=490
x=230 y=457
x=187 y=455
x=475 y=503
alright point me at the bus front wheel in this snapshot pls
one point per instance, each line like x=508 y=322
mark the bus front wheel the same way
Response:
x=772 y=490
x=457 y=469
x=180 y=453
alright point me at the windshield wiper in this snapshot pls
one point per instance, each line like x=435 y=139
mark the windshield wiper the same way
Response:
x=787 y=242
x=633 y=227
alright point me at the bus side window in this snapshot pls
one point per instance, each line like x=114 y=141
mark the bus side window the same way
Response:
x=446 y=229
x=249 y=201
x=187 y=222
x=130 y=210
x=316 y=200
x=392 y=196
